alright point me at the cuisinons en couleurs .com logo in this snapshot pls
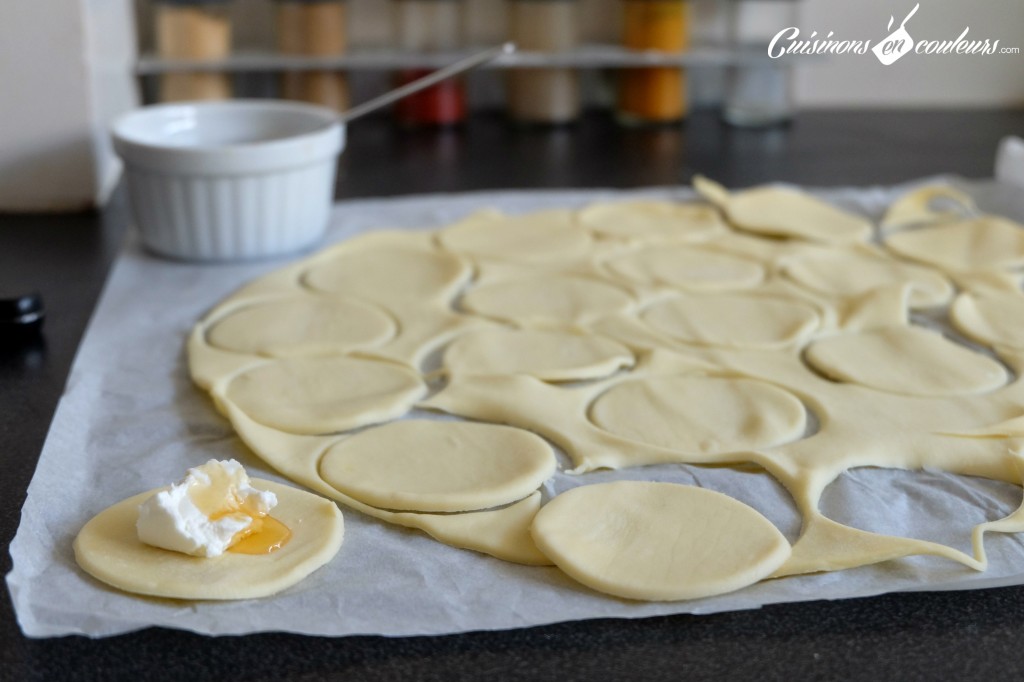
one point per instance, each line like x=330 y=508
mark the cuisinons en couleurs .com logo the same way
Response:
x=888 y=50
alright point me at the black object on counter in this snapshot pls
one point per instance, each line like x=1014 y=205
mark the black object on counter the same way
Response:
x=21 y=319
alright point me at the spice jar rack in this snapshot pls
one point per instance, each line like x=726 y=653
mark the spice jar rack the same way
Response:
x=565 y=59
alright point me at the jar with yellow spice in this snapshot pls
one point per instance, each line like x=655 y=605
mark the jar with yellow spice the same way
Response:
x=654 y=95
x=193 y=30
x=313 y=28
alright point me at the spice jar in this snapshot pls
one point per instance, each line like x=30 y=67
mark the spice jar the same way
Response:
x=759 y=90
x=193 y=30
x=544 y=95
x=313 y=28
x=430 y=26
x=652 y=95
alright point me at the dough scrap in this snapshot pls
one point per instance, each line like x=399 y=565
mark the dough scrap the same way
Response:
x=688 y=268
x=785 y=212
x=989 y=242
x=733 y=320
x=652 y=221
x=438 y=466
x=994 y=318
x=302 y=325
x=546 y=354
x=316 y=395
x=907 y=360
x=931 y=204
x=701 y=414
x=108 y=548
x=547 y=299
x=658 y=541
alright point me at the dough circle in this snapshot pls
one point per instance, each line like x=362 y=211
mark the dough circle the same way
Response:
x=652 y=221
x=547 y=299
x=848 y=274
x=438 y=466
x=546 y=355
x=386 y=272
x=905 y=360
x=302 y=325
x=995 y=318
x=541 y=237
x=658 y=541
x=732 y=320
x=700 y=414
x=109 y=549
x=983 y=243
x=319 y=395
x=691 y=269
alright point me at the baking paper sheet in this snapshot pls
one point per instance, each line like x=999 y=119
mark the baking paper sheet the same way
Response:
x=131 y=420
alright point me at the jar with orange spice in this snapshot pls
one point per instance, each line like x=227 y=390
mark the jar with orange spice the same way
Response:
x=313 y=28
x=654 y=95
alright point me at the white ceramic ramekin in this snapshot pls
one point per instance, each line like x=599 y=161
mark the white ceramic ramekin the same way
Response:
x=230 y=180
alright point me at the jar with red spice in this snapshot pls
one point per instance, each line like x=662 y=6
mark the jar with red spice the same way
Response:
x=425 y=26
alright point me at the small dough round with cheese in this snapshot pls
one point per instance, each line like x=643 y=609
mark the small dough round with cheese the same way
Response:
x=658 y=541
x=319 y=395
x=302 y=325
x=547 y=355
x=905 y=360
x=700 y=414
x=733 y=320
x=438 y=466
x=109 y=549
x=688 y=268
x=546 y=299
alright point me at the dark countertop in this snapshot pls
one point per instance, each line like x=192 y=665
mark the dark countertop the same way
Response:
x=948 y=635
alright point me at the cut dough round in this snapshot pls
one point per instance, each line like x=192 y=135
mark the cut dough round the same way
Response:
x=733 y=320
x=438 y=466
x=652 y=221
x=701 y=414
x=785 y=212
x=547 y=355
x=108 y=548
x=983 y=243
x=302 y=325
x=995 y=318
x=383 y=273
x=905 y=360
x=318 y=395
x=547 y=299
x=692 y=269
x=658 y=541
x=542 y=237
x=845 y=273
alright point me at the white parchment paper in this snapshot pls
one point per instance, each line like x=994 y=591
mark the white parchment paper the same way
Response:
x=130 y=420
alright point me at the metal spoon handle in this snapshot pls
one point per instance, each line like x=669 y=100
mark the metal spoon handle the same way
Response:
x=458 y=67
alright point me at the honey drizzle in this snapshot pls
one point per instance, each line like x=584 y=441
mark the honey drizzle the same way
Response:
x=265 y=535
